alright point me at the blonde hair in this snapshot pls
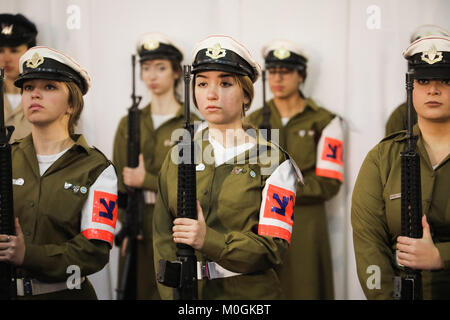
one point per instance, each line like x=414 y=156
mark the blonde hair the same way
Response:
x=76 y=104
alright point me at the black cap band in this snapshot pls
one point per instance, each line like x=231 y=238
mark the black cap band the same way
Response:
x=163 y=51
x=294 y=61
x=426 y=67
x=50 y=69
x=230 y=62
x=16 y=30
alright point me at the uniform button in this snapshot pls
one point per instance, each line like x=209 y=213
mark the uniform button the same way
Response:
x=205 y=192
x=31 y=204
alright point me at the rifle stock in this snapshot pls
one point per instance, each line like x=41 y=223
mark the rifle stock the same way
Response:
x=409 y=286
x=182 y=274
x=8 y=289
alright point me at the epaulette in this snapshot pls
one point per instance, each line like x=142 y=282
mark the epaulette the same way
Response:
x=397 y=135
x=104 y=156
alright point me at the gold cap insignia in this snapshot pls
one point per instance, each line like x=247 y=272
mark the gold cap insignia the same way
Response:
x=7 y=30
x=432 y=55
x=282 y=53
x=216 y=52
x=35 y=61
x=151 y=44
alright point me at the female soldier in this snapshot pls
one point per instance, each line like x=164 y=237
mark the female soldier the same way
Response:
x=398 y=118
x=376 y=202
x=161 y=71
x=65 y=192
x=308 y=133
x=17 y=35
x=241 y=233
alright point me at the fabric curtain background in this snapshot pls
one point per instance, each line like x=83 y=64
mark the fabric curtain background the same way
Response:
x=355 y=69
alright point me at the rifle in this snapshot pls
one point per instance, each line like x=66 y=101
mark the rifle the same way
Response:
x=265 y=124
x=409 y=286
x=182 y=273
x=8 y=289
x=134 y=204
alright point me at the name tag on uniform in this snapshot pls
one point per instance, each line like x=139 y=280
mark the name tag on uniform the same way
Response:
x=395 y=196
x=18 y=182
x=149 y=197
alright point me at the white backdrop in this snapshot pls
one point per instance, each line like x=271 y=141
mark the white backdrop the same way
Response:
x=355 y=69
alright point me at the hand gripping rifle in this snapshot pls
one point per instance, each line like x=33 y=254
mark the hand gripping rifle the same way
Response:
x=182 y=273
x=134 y=204
x=409 y=286
x=265 y=126
x=8 y=289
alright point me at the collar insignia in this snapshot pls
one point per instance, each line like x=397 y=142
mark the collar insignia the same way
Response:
x=7 y=30
x=282 y=53
x=35 y=61
x=151 y=44
x=216 y=52
x=432 y=55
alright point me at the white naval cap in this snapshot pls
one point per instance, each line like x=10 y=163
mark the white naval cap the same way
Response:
x=284 y=53
x=155 y=45
x=426 y=30
x=46 y=63
x=429 y=57
x=219 y=52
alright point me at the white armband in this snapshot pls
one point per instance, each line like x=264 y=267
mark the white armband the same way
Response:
x=99 y=213
x=276 y=216
x=330 y=151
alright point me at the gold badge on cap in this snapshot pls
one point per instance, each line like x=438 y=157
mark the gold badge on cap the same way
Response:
x=282 y=53
x=151 y=44
x=7 y=30
x=216 y=52
x=35 y=61
x=432 y=55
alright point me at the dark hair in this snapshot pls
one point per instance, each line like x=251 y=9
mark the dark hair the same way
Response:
x=176 y=68
x=302 y=74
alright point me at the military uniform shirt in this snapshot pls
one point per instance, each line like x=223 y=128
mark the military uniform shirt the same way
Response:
x=230 y=196
x=376 y=217
x=307 y=270
x=50 y=212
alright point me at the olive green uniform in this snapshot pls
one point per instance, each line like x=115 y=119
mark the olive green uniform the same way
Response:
x=230 y=196
x=154 y=146
x=306 y=272
x=50 y=216
x=17 y=119
x=376 y=217
x=397 y=120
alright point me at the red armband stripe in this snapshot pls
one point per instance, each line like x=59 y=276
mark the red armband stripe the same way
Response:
x=98 y=234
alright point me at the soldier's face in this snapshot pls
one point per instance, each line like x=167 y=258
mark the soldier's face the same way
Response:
x=45 y=102
x=158 y=76
x=432 y=99
x=284 y=82
x=9 y=60
x=219 y=98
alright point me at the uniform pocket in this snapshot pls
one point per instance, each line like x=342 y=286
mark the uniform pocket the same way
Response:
x=240 y=197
